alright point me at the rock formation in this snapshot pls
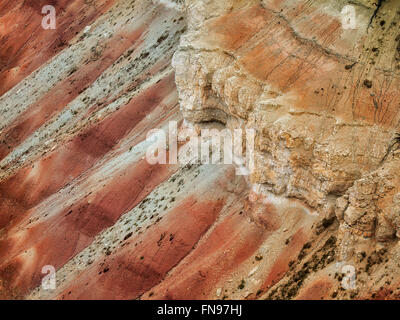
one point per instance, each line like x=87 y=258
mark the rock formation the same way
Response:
x=317 y=81
x=323 y=99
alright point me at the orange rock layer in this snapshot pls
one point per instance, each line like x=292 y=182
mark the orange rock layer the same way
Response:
x=77 y=193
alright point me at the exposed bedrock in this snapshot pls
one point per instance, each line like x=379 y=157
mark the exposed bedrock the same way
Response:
x=323 y=98
x=77 y=193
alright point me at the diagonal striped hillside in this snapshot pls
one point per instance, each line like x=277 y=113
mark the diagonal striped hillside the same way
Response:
x=76 y=192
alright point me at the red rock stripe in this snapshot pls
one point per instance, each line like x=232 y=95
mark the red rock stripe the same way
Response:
x=317 y=290
x=62 y=94
x=232 y=241
x=281 y=265
x=60 y=237
x=144 y=262
x=28 y=45
x=34 y=183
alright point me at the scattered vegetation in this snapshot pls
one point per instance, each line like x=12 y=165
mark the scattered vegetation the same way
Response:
x=242 y=285
x=319 y=260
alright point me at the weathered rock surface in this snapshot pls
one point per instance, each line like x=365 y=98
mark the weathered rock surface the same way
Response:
x=77 y=193
x=324 y=101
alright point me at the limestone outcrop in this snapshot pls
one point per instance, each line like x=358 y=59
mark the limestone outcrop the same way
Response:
x=323 y=98
x=317 y=218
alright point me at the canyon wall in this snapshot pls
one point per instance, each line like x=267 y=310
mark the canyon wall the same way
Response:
x=322 y=97
x=77 y=194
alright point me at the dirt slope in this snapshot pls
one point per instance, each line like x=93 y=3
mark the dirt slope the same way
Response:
x=77 y=193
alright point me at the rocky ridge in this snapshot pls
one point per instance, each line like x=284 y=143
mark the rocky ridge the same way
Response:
x=77 y=194
x=323 y=99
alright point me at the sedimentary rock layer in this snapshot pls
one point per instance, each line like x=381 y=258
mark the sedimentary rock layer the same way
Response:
x=77 y=193
x=322 y=97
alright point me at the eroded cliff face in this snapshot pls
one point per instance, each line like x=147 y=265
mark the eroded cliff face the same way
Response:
x=324 y=101
x=77 y=193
